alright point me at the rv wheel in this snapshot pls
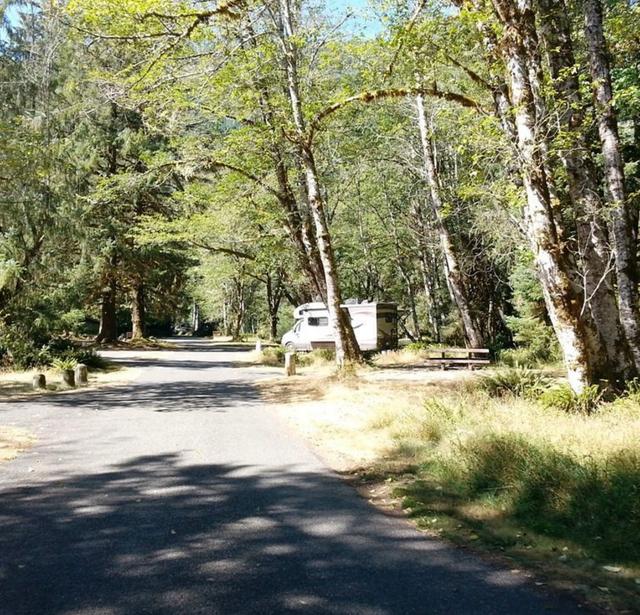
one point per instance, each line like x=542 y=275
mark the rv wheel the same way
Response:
x=290 y=347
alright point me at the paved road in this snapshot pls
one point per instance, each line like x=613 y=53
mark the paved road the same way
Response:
x=182 y=493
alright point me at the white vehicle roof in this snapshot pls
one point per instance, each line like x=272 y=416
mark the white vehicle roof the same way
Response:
x=306 y=308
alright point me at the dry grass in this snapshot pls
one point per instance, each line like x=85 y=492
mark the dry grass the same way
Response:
x=403 y=356
x=557 y=492
x=13 y=441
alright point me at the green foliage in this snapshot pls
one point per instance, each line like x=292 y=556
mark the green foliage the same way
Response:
x=86 y=356
x=592 y=501
x=21 y=348
x=535 y=338
x=272 y=355
x=319 y=356
x=417 y=346
x=64 y=364
x=632 y=391
x=562 y=397
x=517 y=381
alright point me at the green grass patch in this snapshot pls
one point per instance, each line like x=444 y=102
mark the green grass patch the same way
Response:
x=551 y=488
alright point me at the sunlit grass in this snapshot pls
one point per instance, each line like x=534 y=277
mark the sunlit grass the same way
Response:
x=555 y=490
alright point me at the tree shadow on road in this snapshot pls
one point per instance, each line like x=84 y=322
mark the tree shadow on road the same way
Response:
x=176 y=396
x=154 y=536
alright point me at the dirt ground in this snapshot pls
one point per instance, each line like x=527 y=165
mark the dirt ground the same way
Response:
x=336 y=415
x=13 y=441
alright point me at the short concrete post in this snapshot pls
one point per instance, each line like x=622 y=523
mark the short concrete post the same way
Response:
x=68 y=377
x=39 y=382
x=258 y=345
x=81 y=374
x=290 y=363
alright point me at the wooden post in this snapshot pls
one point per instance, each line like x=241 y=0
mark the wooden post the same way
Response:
x=68 y=377
x=81 y=374
x=39 y=382
x=290 y=363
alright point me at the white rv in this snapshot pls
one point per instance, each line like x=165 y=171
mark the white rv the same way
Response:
x=375 y=326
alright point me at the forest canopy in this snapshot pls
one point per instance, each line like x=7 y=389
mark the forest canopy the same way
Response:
x=475 y=161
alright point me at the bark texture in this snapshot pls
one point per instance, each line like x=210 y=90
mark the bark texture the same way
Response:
x=620 y=219
x=556 y=269
x=575 y=156
x=108 y=331
x=138 y=311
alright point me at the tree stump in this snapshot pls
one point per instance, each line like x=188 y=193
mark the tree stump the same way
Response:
x=290 y=363
x=81 y=374
x=258 y=345
x=39 y=382
x=68 y=377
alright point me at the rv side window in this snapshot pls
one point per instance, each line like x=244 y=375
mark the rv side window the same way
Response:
x=321 y=321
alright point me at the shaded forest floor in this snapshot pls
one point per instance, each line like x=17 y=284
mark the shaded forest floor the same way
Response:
x=554 y=493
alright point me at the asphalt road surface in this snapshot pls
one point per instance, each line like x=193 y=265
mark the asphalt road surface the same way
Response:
x=181 y=492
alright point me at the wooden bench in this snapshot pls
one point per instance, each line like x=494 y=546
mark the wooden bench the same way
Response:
x=471 y=358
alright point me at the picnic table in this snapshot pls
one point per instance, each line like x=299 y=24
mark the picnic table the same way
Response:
x=471 y=358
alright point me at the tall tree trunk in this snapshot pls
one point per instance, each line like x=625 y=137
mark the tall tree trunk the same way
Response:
x=404 y=274
x=226 y=321
x=621 y=221
x=347 y=348
x=421 y=232
x=556 y=269
x=138 y=311
x=597 y=276
x=239 y=308
x=274 y=296
x=108 y=331
x=195 y=318
x=453 y=274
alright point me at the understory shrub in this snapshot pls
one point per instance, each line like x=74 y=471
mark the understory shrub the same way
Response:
x=516 y=381
x=562 y=397
x=317 y=357
x=63 y=364
x=272 y=355
x=521 y=357
x=87 y=356
x=21 y=350
x=417 y=346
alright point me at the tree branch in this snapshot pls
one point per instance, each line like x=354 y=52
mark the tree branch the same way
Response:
x=375 y=95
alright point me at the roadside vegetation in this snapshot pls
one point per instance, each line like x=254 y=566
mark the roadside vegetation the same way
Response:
x=507 y=460
x=274 y=356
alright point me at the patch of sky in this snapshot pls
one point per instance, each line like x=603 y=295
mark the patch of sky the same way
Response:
x=364 y=21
